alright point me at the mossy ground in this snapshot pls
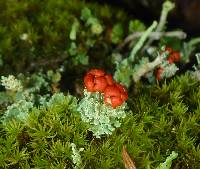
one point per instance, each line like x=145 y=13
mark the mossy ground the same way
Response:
x=163 y=117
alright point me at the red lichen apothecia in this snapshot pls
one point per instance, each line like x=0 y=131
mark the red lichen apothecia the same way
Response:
x=173 y=57
x=96 y=80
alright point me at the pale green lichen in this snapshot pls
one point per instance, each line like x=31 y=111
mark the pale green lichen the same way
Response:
x=167 y=164
x=17 y=111
x=141 y=41
x=169 y=71
x=74 y=30
x=103 y=119
x=124 y=69
x=92 y=21
x=11 y=83
x=59 y=100
x=76 y=157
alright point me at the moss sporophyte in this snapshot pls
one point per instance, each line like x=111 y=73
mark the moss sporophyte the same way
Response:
x=103 y=104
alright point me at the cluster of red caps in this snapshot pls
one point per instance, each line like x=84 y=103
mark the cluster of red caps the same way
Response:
x=96 y=80
x=174 y=56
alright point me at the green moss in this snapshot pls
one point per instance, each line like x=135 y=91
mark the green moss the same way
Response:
x=162 y=121
x=41 y=31
x=43 y=128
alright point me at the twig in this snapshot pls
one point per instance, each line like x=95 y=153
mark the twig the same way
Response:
x=155 y=35
x=45 y=62
x=128 y=162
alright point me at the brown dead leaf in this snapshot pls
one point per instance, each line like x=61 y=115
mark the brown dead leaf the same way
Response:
x=128 y=162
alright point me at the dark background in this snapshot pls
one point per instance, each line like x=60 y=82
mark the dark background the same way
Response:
x=185 y=16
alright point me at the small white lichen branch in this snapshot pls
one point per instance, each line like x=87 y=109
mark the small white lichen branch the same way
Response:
x=11 y=83
x=76 y=157
x=147 y=67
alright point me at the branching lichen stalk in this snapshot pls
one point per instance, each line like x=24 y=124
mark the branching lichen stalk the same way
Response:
x=141 y=41
x=167 y=7
x=155 y=35
x=124 y=70
x=145 y=68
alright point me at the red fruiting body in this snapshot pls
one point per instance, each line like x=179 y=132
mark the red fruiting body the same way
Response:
x=113 y=101
x=158 y=73
x=109 y=79
x=100 y=84
x=169 y=50
x=97 y=72
x=174 y=56
x=95 y=81
x=124 y=94
x=89 y=82
x=170 y=60
x=115 y=95
x=112 y=91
